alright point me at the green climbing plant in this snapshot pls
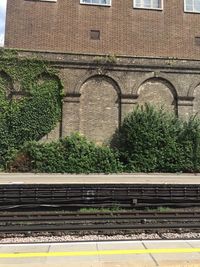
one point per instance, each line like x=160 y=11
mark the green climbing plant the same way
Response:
x=30 y=100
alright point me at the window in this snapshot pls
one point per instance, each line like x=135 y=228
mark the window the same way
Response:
x=96 y=2
x=95 y=35
x=148 y=4
x=192 y=6
x=48 y=0
x=197 y=40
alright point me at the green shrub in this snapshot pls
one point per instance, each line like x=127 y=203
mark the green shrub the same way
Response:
x=73 y=154
x=153 y=140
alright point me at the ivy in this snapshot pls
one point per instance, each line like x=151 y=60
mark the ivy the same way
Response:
x=30 y=100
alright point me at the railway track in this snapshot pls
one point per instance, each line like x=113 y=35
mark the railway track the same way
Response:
x=22 y=222
x=35 y=196
x=98 y=195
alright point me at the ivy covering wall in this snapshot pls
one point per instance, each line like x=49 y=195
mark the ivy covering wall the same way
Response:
x=30 y=101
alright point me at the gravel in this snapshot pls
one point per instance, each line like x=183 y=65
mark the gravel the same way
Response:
x=83 y=236
x=62 y=237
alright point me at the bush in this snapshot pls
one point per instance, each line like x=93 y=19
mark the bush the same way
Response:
x=153 y=140
x=73 y=154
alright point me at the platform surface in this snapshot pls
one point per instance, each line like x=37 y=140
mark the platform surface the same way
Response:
x=102 y=254
x=138 y=178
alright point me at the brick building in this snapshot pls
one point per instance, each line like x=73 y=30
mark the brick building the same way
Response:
x=167 y=28
x=156 y=44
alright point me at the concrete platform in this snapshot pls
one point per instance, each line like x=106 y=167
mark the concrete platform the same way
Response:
x=137 y=178
x=102 y=254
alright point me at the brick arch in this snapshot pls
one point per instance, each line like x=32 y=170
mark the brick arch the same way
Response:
x=55 y=133
x=85 y=78
x=192 y=88
x=194 y=94
x=100 y=110
x=46 y=76
x=159 y=92
x=9 y=88
x=155 y=75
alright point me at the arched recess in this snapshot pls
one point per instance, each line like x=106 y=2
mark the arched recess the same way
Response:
x=43 y=79
x=196 y=101
x=94 y=73
x=158 y=92
x=99 y=108
x=6 y=84
x=193 y=87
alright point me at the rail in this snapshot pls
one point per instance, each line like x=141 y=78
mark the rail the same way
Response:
x=62 y=221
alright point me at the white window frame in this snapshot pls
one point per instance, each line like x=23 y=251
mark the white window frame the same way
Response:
x=54 y=1
x=152 y=8
x=95 y=4
x=190 y=11
x=48 y=1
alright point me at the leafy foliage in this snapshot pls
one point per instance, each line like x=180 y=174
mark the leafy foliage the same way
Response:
x=73 y=154
x=149 y=140
x=30 y=101
x=153 y=140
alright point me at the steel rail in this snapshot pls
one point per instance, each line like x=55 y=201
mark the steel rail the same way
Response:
x=63 y=216
x=101 y=222
x=97 y=227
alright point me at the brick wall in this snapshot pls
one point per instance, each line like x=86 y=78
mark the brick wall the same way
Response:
x=95 y=103
x=99 y=109
x=65 y=26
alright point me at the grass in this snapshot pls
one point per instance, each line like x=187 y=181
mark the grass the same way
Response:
x=116 y=208
x=159 y=209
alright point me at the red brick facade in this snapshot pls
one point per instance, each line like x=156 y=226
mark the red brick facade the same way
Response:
x=65 y=25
